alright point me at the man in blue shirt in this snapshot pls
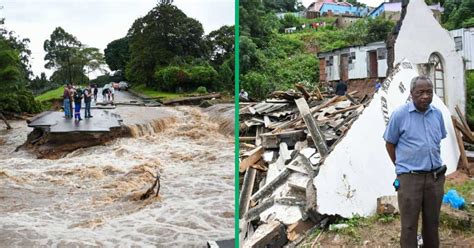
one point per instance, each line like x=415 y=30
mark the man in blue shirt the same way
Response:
x=413 y=136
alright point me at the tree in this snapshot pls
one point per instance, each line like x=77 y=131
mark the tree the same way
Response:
x=117 y=54
x=91 y=59
x=60 y=50
x=283 y=5
x=457 y=14
x=14 y=97
x=164 y=33
x=221 y=42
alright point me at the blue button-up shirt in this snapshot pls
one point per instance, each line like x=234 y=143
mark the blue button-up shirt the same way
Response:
x=417 y=137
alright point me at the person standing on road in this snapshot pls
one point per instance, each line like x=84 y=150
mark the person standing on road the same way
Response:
x=112 y=93
x=413 y=136
x=96 y=90
x=67 y=101
x=87 y=102
x=77 y=104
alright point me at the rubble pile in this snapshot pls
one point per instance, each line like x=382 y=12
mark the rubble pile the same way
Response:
x=284 y=140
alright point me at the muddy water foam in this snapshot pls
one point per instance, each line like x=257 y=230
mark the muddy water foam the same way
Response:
x=90 y=197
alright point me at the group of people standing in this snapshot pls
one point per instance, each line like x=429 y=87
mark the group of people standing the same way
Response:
x=73 y=96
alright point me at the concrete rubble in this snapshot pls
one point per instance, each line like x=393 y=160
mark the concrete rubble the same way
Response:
x=308 y=157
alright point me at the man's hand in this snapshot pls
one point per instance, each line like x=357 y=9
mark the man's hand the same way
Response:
x=391 y=151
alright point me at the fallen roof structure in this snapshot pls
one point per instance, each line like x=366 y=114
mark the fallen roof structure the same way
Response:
x=324 y=158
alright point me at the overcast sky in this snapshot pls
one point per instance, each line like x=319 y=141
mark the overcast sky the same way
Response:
x=97 y=22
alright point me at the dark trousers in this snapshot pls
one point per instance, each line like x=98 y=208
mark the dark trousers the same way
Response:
x=420 y=192
x=87 y=110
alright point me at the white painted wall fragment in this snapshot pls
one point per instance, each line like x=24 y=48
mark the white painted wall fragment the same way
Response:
x=421 y=36
x=359 y=170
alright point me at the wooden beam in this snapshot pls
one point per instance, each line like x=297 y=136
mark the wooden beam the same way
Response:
x=463 y=120
x=246 y=192
x=313 y=128
x=466 y=133
x=253 y=157
x=464 y=161
x=5 y=120
x=344 y=110
x=246 y=139
x=301 y=88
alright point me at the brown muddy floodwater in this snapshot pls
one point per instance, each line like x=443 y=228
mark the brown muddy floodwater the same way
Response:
x=90 y=197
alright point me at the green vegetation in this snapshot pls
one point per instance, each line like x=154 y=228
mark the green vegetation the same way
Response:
x=56 y=94
x=142 y=89
x=271 y=60
x=458 y=14
x=14 y=96
x=168 y=51
x=470 y=98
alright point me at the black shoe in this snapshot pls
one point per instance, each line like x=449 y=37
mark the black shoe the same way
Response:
x=80 y=119
x=90 y=116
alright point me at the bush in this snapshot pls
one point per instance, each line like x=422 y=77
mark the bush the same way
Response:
x=171 y=78
x=470 y=97
x=256 y=85
x=203 y=76
x=201 y=90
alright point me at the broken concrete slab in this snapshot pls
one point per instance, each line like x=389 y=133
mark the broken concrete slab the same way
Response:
x=271 y=234
x=55 y=122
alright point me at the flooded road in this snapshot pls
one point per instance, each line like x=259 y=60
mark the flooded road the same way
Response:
x=90 y=197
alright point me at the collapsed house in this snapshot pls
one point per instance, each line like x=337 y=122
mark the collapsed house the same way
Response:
x=312 y=157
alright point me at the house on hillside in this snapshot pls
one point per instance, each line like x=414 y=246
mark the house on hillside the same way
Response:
x=391 y=10
x=357 y=62
x=464 y=43
x=333 y=8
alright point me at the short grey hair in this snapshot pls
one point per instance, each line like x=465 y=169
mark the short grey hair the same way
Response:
x=416 y=79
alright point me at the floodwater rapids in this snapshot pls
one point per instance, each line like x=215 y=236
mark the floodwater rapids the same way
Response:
x=90 y=197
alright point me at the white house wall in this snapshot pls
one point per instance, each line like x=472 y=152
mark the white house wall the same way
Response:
x=333 y=71
x=359 y=70
x=417 y=40
x=359 y=170
x=382 y=68
x=467 y=51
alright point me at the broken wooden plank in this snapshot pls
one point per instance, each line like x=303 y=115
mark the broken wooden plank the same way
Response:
x=352 y=99
x=270 y=186
x=246 y=192
x=461 y=117
x=299 y=229
x=350 y=117
x=312 y=126
x=5 y=121
x=301 y=88
x=246 y=139
x=253 y=157
x=463 y=157
x=345 y=110
x=465 y=132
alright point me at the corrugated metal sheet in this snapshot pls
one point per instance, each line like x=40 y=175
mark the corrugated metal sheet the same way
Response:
x=263 y=107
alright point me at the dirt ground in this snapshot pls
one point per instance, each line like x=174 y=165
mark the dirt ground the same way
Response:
x=384 y=231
